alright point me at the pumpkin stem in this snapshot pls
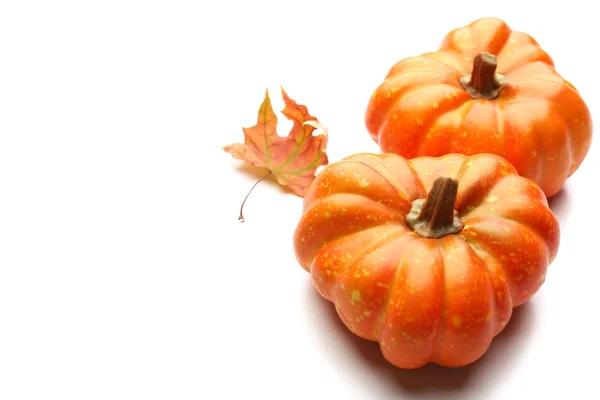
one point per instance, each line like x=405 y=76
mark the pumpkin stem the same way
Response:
x=484 y=82
x=435 y=217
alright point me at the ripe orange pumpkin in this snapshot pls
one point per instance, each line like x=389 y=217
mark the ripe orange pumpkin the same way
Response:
x=488 y=89
x=426 y=256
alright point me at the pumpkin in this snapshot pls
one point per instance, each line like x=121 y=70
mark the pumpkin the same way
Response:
x=427 y=256
x=488 y=89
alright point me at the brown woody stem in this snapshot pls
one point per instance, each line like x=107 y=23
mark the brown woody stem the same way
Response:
x=435 y=216
x=484 y=82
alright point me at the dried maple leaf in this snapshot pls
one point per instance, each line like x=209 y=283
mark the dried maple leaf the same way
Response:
x=292 y=159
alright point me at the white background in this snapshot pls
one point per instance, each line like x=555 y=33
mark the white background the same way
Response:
x=124 y=272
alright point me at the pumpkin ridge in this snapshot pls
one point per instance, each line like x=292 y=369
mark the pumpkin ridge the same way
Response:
x=402 y=93
x=371 y=248
x=414 y=174
x=453 y=53
x=428 y=57
x=415 y=71
x=403 y=262
x=363 y=197
x=504 y=213
x=340 y=241
x=559 y=81
x=465 y=65
x=534 y=69
x=484 y=268
x=408 y=235
x=467 y=220
x=482 y=331
x=511 y=71
x=542 y=144
x=502 y=30
x=577 y=154
x=486 y=258
x=534 y=166
x=474 y=202
x=534 y=54
x=366 y=195
x=568 y=149
x=468 y=103
x=442 y=325
x=500 y=126
x=465 y=211
x=489 y=250
x=411 y=70
x=432 y=119
x=341 y=200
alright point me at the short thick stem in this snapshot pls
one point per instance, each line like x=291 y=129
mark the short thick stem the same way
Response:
x=484 y=82
x=435 y=217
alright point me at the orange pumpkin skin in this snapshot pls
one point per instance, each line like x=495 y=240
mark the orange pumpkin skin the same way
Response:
x=538 y=122
x=425 y=300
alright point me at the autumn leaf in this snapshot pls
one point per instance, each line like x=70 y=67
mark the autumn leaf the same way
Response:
x=294 y=159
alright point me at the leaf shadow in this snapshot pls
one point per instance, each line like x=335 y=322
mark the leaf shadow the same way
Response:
x=257 y=173
x=480 y=377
